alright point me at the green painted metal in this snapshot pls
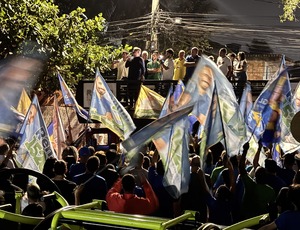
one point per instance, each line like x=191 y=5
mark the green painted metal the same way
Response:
x=19 y=218
x=60 y=199
x=18 y=197
x=245 y=223
x=119 y=219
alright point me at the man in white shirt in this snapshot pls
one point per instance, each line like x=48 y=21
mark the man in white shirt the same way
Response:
x=168 y=65
x=224 y=63
x=120 y=65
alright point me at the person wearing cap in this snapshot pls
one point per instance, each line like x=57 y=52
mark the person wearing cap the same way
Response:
x=78 y=168
x=120 y=66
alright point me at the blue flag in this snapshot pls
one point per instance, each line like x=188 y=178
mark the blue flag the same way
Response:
x=200 y=91
x=212 y=132
x=35 y=145
x=108 y=110
x=287 y=107
x=69 y=99
x=264 y=119
x=246 y=102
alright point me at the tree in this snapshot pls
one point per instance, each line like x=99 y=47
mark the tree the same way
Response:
x=289 y=8
x=71 y=41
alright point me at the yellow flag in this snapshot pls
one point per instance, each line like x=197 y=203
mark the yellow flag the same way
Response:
x=148 y=104
x=24 y=102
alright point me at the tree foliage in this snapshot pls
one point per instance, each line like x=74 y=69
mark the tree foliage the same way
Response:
x=289 y=8
x=72 y=42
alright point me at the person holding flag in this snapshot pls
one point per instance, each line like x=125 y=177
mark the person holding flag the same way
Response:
x=108 y=110
x=35 y=144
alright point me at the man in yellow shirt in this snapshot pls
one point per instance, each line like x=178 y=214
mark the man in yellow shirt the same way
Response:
x=179 y=68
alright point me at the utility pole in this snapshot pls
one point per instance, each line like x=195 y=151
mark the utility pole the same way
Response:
x=154 y=21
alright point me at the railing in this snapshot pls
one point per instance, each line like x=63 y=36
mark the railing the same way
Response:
x=119 y=88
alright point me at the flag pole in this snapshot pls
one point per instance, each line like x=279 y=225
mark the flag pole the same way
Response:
x=222 y=123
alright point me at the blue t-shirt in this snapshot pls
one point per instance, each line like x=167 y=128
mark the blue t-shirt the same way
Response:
x=288 y=220
x=190 y=70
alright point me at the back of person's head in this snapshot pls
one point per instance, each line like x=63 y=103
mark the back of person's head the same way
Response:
x=226 y=177
x=282 y=201
x=111 y=156
x=92 y=150
x=140 y=159
x=102 y=157
x=48 y=168
x=289 y=160
x=191 y=148
x=270 y=166
x=110 y=166
x=160 y=168
x=128 y=183
x=84 y=154
x=195 y=162
x=113 y=146
x=260 y=175
x=146 y=162
x=232 y=55
x=209 y=158
x=4 y=149
x=92 y=164
x=296 y=179
x=60 y=167
x=209 y=226
x=70 y=151
x=170 y=51
x=70 y=160
x=223 y=194
x=33 y=192
x=294 y=195
x=234 y=161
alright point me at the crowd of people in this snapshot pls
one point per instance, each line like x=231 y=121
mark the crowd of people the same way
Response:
x=138 y=67
x=223 y=190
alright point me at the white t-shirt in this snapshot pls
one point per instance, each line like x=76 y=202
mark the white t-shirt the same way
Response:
x=122 y=70
x=168 y=73
x=223 y=63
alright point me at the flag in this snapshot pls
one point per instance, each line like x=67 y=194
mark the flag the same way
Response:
x=69 y=99
x=172 y=144
x=172 y=99
x=24 y=102
x=168 y=104
x=108 y=110
x=296 y=98
x=264 y=119
x=148 y=104
x=59 y=138
x=35 y=146
x=179 y=88
x=212 y=130
x=246 y=102
x=146 y=134
x=170 y=136
x=15 y=73
x=173 y=147
x=287 y=142
x=200 y=90
x=276 y=154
